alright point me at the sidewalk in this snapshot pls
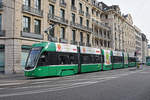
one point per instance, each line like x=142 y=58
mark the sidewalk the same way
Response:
x=12 y=76
x=11 y=80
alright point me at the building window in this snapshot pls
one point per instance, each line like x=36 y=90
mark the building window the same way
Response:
x=0 y=22
x=62 y=1
x=87 y=23
x=37 y=26
x=105 y=43
x=37 y=4
x=24 y=54
x=104 y=34
x=106 y=16
x=101 y=41
x=108 y=36
x=51 y=9
x=108 y=44
x=26 y=3
x=97 y=14
x=62 y=33
x=92 y=11
x=81 y=37
x=62 y=13
x=81 y=20
x=73 y=35
x=73 y=17
x=2 y=58
x=51 y=31
x=87 y=10
x=80 y=5
x=88 y=38
x=26 y=24
x=73 y=3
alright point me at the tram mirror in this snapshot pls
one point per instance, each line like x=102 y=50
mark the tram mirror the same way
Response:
x=42 y=57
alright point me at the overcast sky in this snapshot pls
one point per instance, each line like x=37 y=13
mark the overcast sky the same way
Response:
x=139 y=9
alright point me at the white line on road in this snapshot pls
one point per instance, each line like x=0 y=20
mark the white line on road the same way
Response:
x=8 y=84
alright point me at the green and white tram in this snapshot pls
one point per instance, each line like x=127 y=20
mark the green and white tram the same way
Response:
x=117 y=59
x=107 y=65
x=57 y=59
x=132 y=60
x=148 y=61
x=125 y=58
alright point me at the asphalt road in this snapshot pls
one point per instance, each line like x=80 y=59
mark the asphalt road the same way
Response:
x=122 y=84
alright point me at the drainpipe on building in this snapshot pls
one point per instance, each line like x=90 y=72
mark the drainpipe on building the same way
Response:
x=13 y=37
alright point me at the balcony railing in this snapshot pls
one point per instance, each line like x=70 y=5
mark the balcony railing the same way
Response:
x=100 y=24
x=81 y=12
x=97 y=35
x=88 y=15
x=63 y=40
x=33 y=11
x=57 y=19
x=74 y=42
x=81 y=43
x=52 y=39
x=2 y=33
x=52 y=1
x=62 y=4
x=1 y=5
x=88 y=44
x=82 y=27
x=96 y=5
x=31 y=35
x=73 y=8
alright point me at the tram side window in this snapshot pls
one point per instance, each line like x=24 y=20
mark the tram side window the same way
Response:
x=63 y=59
x=85 y=59
x=131 y=59
x=91 y=59
x=67 y=59
x=48 y=58
x=99 y=59
x=117 y=59
x=73 y=59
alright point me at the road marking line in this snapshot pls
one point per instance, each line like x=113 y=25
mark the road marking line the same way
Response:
x=7 y=84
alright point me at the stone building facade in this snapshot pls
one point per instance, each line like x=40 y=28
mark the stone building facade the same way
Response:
x=138 y=37
x=144 y=48
x=123 y=36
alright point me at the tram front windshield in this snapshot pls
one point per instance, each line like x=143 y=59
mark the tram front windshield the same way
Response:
x=148 y=59
x=32 y=58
